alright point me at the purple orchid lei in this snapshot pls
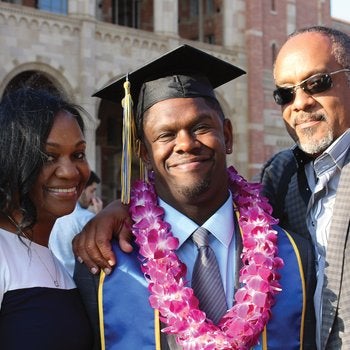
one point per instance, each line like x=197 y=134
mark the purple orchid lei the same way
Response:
x=242 y=325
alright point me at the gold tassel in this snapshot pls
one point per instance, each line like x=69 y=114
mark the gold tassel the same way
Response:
x=129 y=135
x=131 y=145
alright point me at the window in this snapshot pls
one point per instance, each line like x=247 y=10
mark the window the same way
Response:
x=126 y=13
x=56 y=6
x=273 y=6
x=210 y=7
x=210 y=39
x=273 y=53
x=19 y=2
x=194 y=8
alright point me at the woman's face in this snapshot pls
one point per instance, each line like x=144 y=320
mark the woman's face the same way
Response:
x=65 y=170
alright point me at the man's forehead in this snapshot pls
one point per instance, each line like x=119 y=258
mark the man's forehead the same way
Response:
x=177 y=112
x=299 y=58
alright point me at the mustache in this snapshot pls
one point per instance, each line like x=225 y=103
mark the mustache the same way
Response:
x=303 y=117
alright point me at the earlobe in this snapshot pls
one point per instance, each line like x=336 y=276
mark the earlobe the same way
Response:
x=228 y=134
x=143 y=155
x=146 y=161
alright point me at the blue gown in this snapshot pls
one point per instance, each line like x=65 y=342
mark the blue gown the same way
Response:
x=128 y=322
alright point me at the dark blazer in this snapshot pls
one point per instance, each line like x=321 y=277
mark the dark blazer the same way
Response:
x=87 y=284
x=291 y=209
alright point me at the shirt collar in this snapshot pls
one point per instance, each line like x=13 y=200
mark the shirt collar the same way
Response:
x=334 y=155
x=220 y=224
x=301 y=157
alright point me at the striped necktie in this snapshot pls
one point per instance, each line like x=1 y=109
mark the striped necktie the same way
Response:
x=206 y=278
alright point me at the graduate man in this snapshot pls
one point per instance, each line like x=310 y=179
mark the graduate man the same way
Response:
x=206 y=267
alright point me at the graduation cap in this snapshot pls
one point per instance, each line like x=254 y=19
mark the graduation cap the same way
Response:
x=205 y=72
x=182 y=72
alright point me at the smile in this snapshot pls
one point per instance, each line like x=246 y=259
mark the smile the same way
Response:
x=189 y=164
x=308 y=124
x=62 y=190
x=308 y=120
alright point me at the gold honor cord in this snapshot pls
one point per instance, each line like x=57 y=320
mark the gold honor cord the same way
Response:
x=100 y=310
x=129 y=136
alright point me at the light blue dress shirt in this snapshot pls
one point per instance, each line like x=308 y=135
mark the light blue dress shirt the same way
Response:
x=221 y=240
x=63 y=232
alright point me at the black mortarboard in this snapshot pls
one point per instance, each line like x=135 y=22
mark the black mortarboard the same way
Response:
x=191 y=72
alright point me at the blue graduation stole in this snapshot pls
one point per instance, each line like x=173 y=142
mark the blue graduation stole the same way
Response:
x=286 y=325
x=127 y=320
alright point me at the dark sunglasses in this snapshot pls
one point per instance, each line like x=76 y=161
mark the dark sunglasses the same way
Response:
x=315 y=84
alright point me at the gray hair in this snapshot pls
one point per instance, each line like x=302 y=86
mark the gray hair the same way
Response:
x=340 y=43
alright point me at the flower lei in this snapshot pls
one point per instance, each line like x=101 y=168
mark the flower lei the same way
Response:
x=241 y=326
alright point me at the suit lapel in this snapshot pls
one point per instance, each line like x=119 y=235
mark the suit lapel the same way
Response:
x=296 y=207
x=335 y=255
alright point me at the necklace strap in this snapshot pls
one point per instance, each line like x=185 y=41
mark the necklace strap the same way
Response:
x=18 y=228
x=54 y=277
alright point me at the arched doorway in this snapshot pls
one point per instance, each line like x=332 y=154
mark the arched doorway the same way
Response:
x=108 y=141
x=34 y=79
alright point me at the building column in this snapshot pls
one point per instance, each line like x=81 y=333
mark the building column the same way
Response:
x=90 y=137
x=165 y=17
x=255 y=79
x=86 y=87
x=291 y=14
x=233 y=23
x=82 y=8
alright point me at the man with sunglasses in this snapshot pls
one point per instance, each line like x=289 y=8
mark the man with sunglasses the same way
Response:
x=309 y=186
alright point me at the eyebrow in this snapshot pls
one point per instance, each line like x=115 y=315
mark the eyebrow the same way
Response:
x=309 y=75
x=54 y=144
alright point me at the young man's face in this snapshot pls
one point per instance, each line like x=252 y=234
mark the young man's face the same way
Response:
x=186 y=142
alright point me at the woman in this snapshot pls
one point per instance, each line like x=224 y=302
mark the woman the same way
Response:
x=43 y=170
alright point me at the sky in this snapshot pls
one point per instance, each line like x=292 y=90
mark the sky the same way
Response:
x=340 y=9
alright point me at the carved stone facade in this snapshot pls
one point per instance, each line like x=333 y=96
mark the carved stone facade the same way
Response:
x=78 y=54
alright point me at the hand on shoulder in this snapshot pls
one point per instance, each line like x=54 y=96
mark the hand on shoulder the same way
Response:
x=92 y=245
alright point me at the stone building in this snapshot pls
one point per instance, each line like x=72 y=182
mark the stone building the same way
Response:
x=78 y=46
